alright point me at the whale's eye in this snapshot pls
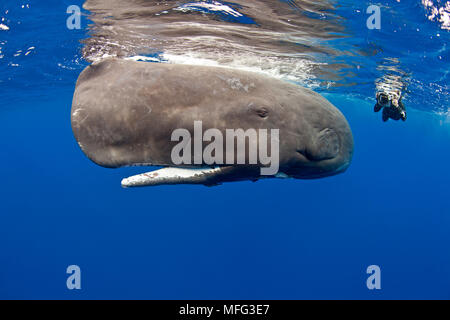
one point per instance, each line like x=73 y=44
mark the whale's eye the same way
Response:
x=262 y=112
x=258 y=108
x=325 y=147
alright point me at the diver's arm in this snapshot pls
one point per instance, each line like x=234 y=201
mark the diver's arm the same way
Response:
x=403 y=110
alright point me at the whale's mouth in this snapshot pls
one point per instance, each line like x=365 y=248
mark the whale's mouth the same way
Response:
x=316 y=172
x=171 y=175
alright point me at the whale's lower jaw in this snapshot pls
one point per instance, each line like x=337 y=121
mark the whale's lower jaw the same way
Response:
x=173 y=176
x=207 y=176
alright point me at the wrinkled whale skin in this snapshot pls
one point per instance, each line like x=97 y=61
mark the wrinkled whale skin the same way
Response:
x=124 y=112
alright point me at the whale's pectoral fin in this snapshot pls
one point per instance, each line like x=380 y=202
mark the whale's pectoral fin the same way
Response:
x=205 y=176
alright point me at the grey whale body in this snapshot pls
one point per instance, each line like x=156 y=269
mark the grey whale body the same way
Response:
x=124 y=113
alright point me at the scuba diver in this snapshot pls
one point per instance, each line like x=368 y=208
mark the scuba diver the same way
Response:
x=392 y=106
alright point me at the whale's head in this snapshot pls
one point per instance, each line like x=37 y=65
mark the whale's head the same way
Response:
x=319 y=141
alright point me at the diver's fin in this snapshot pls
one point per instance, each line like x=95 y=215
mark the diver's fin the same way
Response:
x=206 y=176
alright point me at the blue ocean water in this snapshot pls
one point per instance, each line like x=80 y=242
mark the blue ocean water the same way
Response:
x=280 y=239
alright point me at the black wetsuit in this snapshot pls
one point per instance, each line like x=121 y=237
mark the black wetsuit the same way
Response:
x=394 y=112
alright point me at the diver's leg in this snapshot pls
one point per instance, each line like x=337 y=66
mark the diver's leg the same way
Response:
x=385 y=115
